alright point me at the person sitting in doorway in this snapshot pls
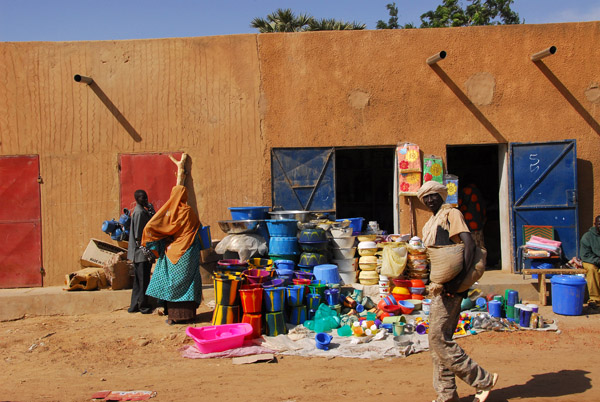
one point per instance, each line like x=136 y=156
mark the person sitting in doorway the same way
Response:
x=590 y=256
x=472 y=206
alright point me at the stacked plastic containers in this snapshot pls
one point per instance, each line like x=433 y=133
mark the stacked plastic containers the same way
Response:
x=227 y=308
x=274 y=301
x=342 y=246
x=368 y=261
x=251 y=297
x=417 y=265
x=313 y=243
x=283 y=243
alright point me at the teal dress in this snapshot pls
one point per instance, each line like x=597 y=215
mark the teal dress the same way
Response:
x=180 y=282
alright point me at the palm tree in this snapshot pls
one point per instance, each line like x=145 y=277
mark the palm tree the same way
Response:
x=330 y=24
x=286 y=21
x=281 y=21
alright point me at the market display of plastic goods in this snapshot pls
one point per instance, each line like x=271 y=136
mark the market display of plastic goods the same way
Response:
x=417 y=303
x=368 y=277
x=342 y=253
x=342 y=242
x=346 y=265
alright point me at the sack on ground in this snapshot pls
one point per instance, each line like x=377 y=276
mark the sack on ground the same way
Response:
x=86 y=279
x=445 y=262
x=476 y=271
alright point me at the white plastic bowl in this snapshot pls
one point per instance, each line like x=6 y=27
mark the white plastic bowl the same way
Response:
x=346 y=264
x=367 y=244
x=343 y=242
x=341 y=232
x=341 y=253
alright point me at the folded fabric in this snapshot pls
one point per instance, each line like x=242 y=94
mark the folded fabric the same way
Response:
x=542 y=240
x=541 y=246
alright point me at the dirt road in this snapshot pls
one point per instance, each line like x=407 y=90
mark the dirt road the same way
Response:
x=68 y=358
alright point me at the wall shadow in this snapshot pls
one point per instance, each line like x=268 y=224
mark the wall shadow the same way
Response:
x=585 y=180
x=189 y=183
x=469 y=105
x=115 y=111
x=546 y=385
x=564 y=91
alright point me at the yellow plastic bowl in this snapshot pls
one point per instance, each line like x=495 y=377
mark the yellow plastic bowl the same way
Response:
x=401 y=290
x=367 y=251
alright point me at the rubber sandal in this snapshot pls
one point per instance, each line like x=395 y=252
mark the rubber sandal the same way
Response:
x=482 y=394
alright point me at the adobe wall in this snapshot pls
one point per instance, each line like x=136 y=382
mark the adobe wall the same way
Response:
x=196 y=95
x=371 y=88
x=228 y=100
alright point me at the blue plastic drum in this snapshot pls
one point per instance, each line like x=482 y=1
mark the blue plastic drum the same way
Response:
x=568 y=292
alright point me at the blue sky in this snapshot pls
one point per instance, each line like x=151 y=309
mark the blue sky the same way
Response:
x=69 y=20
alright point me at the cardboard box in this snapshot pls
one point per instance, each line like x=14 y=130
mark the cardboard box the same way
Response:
x=123 y=278
x=98 y=253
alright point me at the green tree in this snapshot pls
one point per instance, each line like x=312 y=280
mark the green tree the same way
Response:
x=480 y=12
x=393 y=21
x=284 y=20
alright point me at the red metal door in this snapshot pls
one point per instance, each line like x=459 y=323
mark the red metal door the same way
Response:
x=154 y=173
x=20 y=227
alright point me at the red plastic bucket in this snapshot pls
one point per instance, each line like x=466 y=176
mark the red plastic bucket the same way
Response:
x=256 y=321
x=251 y=297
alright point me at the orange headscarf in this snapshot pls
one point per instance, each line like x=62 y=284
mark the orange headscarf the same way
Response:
x=175 y=219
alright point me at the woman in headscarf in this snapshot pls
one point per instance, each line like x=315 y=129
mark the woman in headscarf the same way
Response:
x=447 y=226
x=173 y=233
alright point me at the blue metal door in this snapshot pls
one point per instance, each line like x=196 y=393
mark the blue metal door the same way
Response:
x=303 y=179
x=543 y=191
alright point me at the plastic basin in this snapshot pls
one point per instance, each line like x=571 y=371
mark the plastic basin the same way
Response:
x=244 y=213
x=282 y=227
x=217 y=338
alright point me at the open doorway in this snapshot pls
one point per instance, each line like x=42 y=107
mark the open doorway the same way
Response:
x=479 y=165
x=364 y=185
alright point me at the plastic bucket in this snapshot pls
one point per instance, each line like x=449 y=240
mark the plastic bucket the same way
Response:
x=244 y=213
x=327 y=273
x=286 y=274
x=205 y=238
x=226 y=289
x=256 y=321
x=274 y=299
x=251 y=298
x=275 y=323
x=288 y=257
x=319 y=288
x=495 y=308
x=282 y=227
x=568 y=292
x=283 y=245
x=225 y=314
x=284 y=265
x=313 y=300
x=295 y=295
x=297 y=315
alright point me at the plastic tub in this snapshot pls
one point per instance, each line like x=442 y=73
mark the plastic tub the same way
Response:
x=217 y=338
x=245 y=213
x=343 y=242
x=346 y=265
x=274 y=299
x=568 y=292
x=314 y=246
x=327 y=273
x=310 y=259
x=355 y=223
x=282 y=227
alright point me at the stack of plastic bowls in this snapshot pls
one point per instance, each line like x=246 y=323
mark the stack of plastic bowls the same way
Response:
x=283 y=243
x=314 y=248
x=342 y=245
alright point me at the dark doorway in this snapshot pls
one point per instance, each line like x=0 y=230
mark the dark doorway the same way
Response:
x=364 y=185
x=478 y=164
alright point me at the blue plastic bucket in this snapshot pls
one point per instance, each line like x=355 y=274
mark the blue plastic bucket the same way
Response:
x=297 y=315
x=286 y=274
x=274 y=299
x=253 y=213
x=355 y=223
x=205 y=238
x=295 y=295
x=568 y=292
x=283 y=245
x=282 y=227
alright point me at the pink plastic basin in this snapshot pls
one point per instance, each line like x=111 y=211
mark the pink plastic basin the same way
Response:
x=217 y=338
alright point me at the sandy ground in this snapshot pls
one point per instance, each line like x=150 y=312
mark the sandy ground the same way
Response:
x=68 y=358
